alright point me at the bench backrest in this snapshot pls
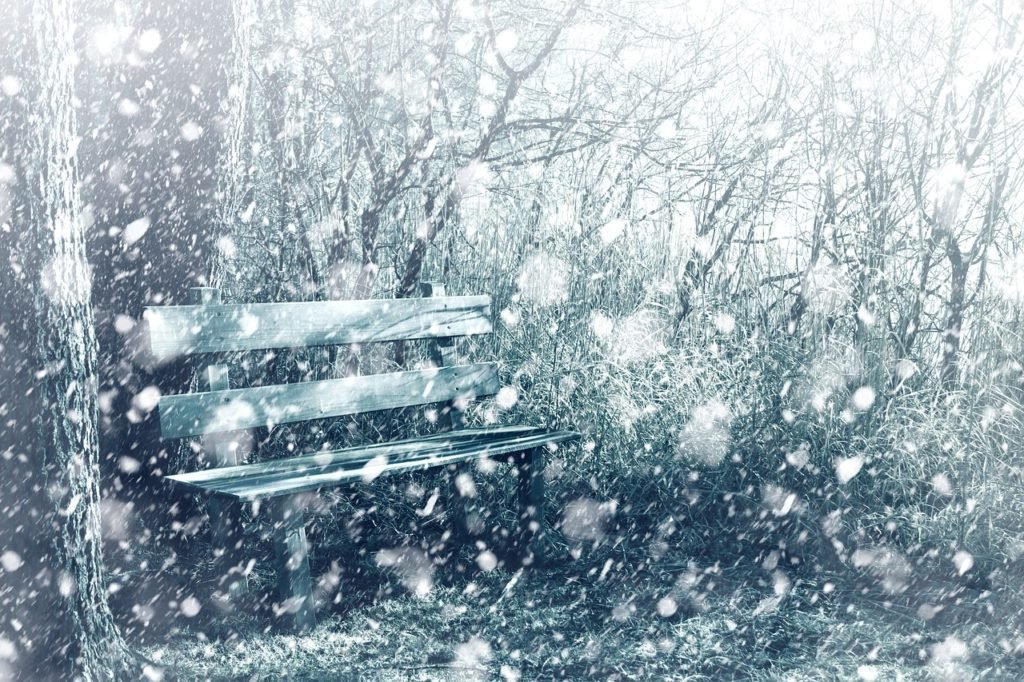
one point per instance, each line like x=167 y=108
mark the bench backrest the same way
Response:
x=210 y=328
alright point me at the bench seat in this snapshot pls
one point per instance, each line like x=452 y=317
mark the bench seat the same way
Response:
x=321 y=470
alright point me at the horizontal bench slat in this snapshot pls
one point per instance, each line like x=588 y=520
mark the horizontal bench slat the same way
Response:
x=317 y=461
x=301 y=480
x=355 y=459
x=181 y=330
x=195 y=414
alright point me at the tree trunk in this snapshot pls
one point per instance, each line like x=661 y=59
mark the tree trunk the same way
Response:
x=92 y=646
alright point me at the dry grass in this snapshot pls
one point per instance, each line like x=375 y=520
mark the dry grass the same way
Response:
x=679 y=622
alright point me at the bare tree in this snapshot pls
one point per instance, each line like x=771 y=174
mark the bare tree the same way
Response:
x=68 y=451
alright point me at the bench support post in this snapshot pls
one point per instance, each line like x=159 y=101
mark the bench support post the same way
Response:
x=444 y=353
x=225 y=515
x=227 y=538
x=530 y=491
x=294 y=609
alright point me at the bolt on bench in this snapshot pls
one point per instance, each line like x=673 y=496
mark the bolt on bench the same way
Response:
x=222 y=415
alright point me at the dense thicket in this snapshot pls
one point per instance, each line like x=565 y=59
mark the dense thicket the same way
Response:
x=766 y=259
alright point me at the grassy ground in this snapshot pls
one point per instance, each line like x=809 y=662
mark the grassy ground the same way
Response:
x=579 y=621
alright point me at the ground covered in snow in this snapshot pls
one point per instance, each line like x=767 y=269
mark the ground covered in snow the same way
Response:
x=690 y=622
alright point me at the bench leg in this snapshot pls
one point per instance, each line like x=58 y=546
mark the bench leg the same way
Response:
x=291 y=560
x=530 y=489
x=227 y=537
x=458 y=504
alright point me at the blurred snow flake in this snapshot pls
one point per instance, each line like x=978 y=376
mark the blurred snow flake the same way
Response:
x=128 y=465
x=667 y=607
x=781 y=583
x=947 y=177
x=464 y=44
x=948 y=650
x=848 y=467
x=11 y=561
x=191 y=131
x=488 y=108
x=905 y=369
x=510 y=674
x=509 y=317
x=507 y=397
x=544 y=279
x=127 y=107
x=226 y=245
x=639 y=336
x=506 y=41
x=8 y=651
x=725 y=323
x=476 y=653
x=472 y=179
x=825 y=288
x=863 y=398
x=190 y=607
x=891 y=568
x=10 y=85
x=800 y=457
x=963 y=562
x=146 y=399
x=863 y=41
x=601 y=324
x=152 y=673
x=585 y=519
x=868 y=673
x=149 y=40
x=134 y=231
x=707 y=434
x=612 y=230
x=106 y=42
x=488 y=85
x=942 y=485
x=248 y=324
x=666 y=130
x=778 y=500
x=123 y=324
x=487 y=561
x=414 y=568
x=374 y=468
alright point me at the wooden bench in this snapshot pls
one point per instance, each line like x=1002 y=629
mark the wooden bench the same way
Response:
x=222 y=416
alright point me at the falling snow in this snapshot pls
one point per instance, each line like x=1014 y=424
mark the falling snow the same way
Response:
x=721 y=376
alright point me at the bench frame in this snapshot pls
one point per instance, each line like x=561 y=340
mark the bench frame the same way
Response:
x=295 y=606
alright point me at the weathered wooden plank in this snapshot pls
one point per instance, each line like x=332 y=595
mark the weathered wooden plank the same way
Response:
x=180 y=330
x=334 y=478
x=382 y=463
x=342 y=469
x=317 y=462
x=195 y=414
x=444 y=352
x=303 y=481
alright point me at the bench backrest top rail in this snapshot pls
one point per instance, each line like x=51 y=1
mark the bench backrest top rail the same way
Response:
x=194 y=414
x=186 y=329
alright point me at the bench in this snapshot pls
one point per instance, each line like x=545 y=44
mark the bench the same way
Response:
x=224 y=419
